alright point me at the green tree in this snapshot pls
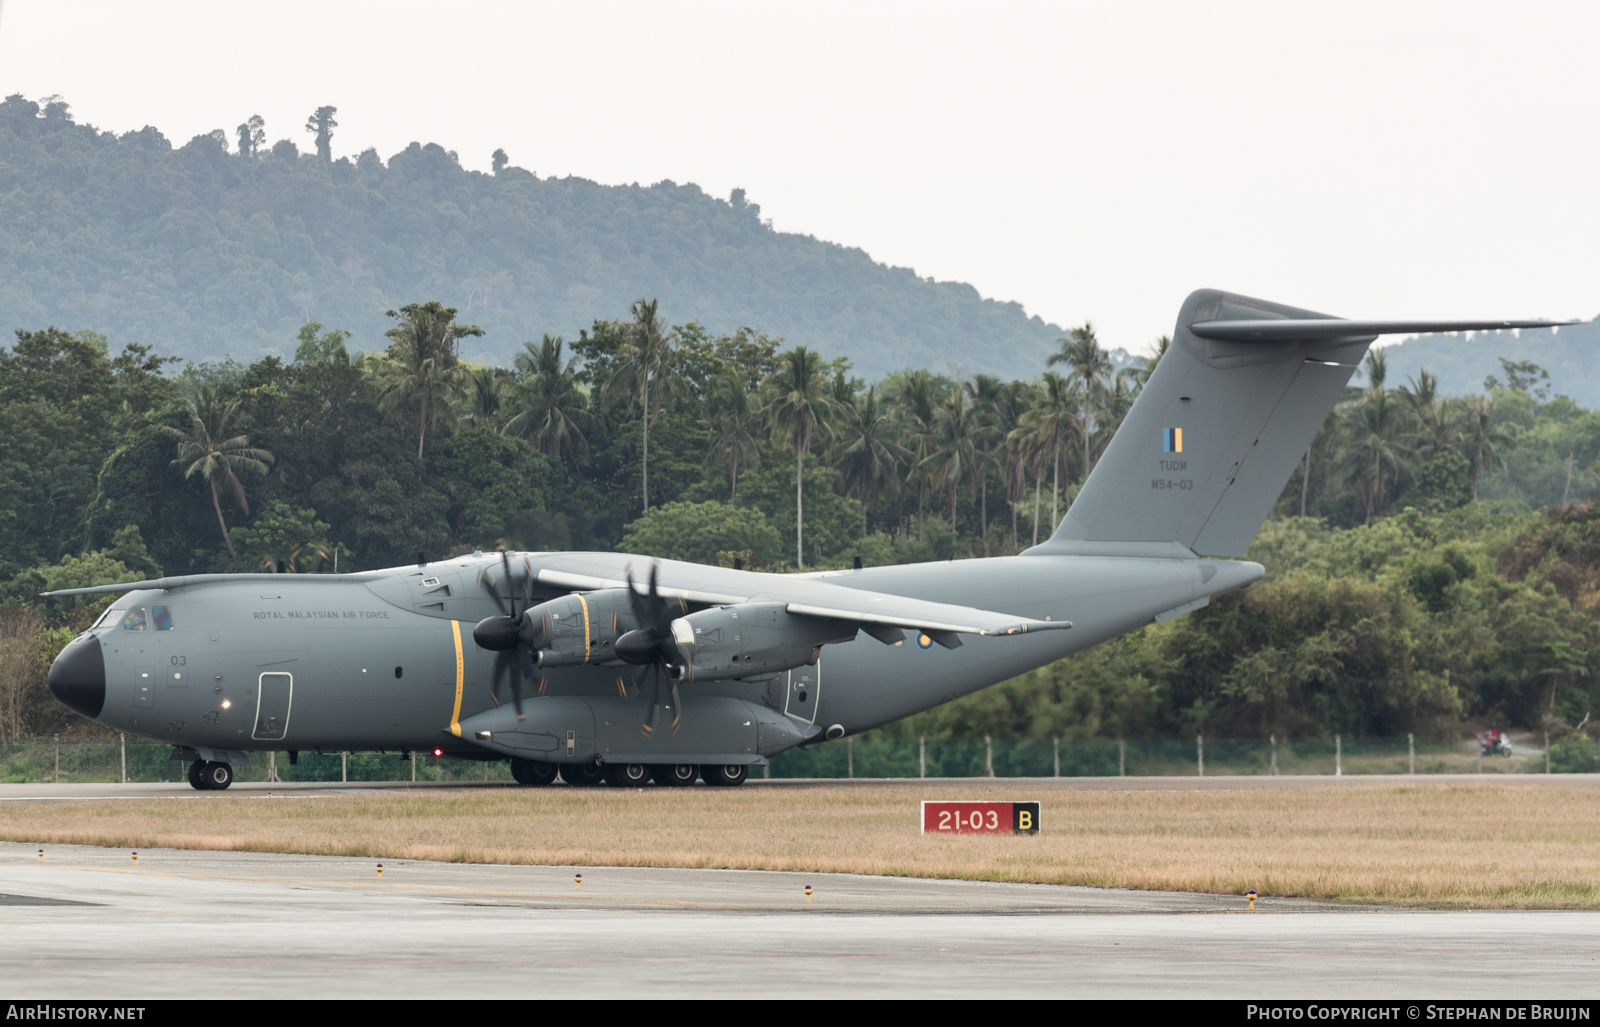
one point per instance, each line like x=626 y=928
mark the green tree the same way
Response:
x=1053 y=422
x=701 y=532
x=421 y=368
x=552 y=408
x=321 y=125
x=800 y=409
x=1379 y=450
x=1081 y=351
x=866 y=449
x=211 y=450
x=1483 y=438
x=955 y=456
x=283 y=534
x=319 y=347
x=732 y=418
x=641 y=370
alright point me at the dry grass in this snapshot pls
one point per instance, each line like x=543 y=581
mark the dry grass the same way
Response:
x=1481 y=846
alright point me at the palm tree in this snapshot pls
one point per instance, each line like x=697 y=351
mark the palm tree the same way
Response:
x=1015 y=399
x=986 y=393
x=1081 y=351
x=1051 y=423
x=421 y=365
x=866 y=449
x=954 y=455
x=642 y=367
x=483 y=393
x=1379 y=450
x=731 y=417
x=210 y=449
x=1482 y=439
x=1141 y=372
x=1436 y=419
x=552 y=409
x=916 y=413
x=800 y=408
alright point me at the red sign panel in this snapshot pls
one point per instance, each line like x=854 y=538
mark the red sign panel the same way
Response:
x=950 y=817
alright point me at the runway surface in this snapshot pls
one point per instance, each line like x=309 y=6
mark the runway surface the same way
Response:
x=179 y=789
x=87 y=924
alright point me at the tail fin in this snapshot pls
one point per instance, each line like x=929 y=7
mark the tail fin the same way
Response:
x=1217 y=430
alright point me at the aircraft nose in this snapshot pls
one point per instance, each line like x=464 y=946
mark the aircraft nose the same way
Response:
x=78 y=677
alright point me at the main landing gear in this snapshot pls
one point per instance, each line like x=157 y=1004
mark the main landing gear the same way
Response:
x=210 y=777
x=628 y=775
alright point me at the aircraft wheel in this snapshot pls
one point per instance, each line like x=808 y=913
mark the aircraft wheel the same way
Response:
x=216 y=776
x=195 y=780
x=726 y=775
x=581 y=774
x=627 y=775
x=532 y=772
x=675 y=775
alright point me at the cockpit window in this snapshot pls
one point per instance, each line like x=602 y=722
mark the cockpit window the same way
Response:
x=162 y=615
x=137 y=620
x=108 y=619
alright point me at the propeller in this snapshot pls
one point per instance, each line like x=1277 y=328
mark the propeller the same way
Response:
x=503 y=634
x=650 y=646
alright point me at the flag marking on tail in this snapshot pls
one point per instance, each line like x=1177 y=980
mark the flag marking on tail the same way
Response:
x=1172 y=441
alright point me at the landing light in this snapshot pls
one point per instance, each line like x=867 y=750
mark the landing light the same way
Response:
x=438 y=752
x=227 y=703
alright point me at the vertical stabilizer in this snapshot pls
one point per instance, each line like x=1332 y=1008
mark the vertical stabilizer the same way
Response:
x=1213 y=437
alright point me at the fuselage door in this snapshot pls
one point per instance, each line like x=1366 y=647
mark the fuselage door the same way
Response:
x=805 y=692
x=273 y=697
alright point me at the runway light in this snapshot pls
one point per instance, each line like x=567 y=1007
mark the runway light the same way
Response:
x=578 y=880
x=41 y=855
x=808 y=895
x=380 y=873
x=135 y=857
x=1251 y=895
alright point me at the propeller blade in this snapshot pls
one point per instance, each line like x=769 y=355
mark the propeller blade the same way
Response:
x=677 y=706
x=524 y=670
x=511 y=590
x=494 y=593
x=655 y=699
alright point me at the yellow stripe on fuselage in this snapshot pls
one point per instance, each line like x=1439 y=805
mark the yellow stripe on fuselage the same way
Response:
x=585 y=603
x=461 y=673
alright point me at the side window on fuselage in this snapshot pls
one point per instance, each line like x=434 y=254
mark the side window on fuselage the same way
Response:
x=109 y=619
x=162 y=615
x=136 y=620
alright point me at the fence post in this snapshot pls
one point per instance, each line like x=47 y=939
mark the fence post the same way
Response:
x=123 y=738
x=1200 y=752
x=1338 y=756
x=1274 y=771
x=58 y=759
x=1055 y=748
x=850 y=757
x=1547 y=752
x=922 y=755
x=988 y=757
x=1411 y=752
x=413 y=768
x=766 y=771
x=1122 y=758
x=344 y=774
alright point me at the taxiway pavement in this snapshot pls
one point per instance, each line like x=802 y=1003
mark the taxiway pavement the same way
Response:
x=87 y=923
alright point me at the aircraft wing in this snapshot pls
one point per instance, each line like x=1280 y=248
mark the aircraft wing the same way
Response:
x=941 y=621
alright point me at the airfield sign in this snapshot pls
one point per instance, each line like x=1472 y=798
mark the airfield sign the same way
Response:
x=960 y=817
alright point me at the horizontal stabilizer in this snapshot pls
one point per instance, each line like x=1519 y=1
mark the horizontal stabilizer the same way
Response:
x=1313 y=329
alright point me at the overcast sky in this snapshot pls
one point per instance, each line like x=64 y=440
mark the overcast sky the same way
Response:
x=1091 y=161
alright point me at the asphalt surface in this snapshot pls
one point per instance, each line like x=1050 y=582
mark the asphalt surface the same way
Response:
x=57 y=792
x=89 y=923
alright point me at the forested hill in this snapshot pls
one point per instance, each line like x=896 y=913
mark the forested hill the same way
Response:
x=1461 y=363
x=206 y=253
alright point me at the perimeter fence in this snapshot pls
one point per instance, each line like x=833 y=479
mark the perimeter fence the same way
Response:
x=83 y=762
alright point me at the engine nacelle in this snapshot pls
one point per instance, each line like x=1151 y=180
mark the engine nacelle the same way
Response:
x=753 y=640
x=582 y=627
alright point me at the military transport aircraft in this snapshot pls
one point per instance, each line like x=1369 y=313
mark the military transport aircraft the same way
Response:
x=604 y=667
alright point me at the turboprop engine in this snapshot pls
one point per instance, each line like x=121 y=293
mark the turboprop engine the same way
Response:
x=574 y=629
x=751 y=640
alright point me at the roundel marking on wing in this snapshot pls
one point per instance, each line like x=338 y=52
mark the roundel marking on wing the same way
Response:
x=924 y=641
